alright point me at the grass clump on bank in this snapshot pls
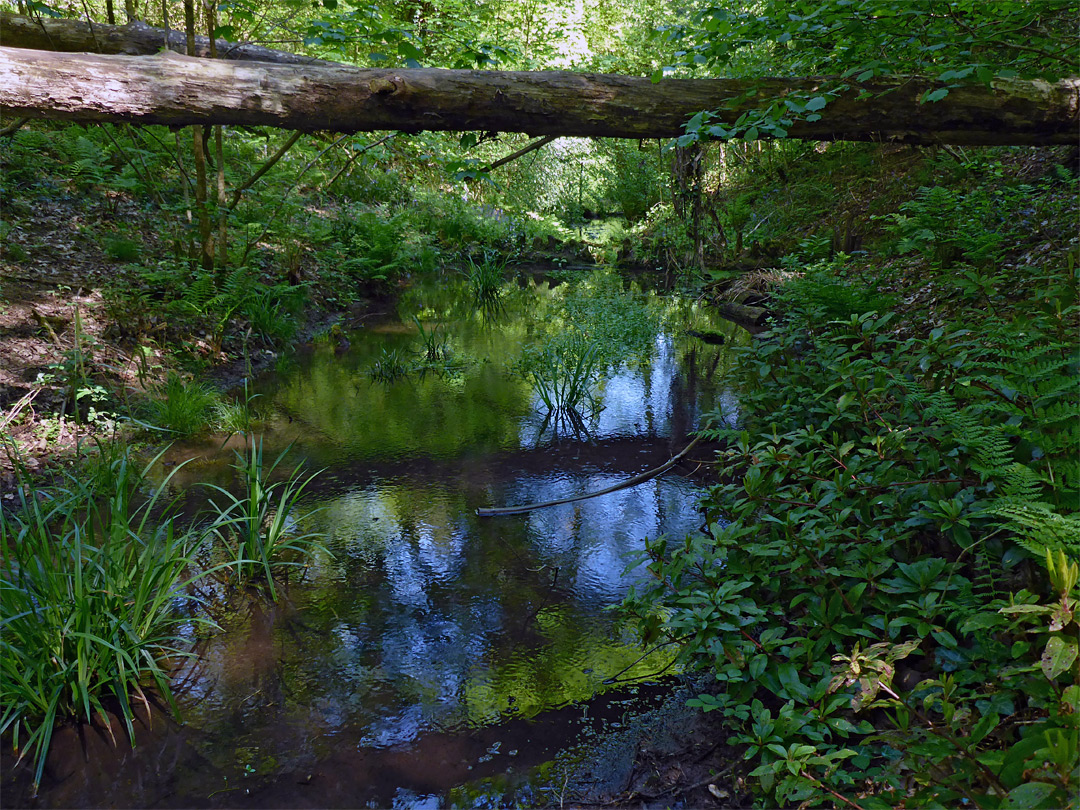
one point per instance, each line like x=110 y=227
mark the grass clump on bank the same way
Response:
x=93 y=604
x=97 y=585
x=182 y=408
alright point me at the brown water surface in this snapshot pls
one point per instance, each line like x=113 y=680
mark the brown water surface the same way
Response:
x=433 y=648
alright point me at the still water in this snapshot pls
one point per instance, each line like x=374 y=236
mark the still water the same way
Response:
x=433 y=648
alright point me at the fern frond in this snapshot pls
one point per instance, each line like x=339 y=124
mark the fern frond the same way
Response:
x=1038 y=527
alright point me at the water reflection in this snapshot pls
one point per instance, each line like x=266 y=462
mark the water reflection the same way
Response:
x=428 y=617
x=428 y=624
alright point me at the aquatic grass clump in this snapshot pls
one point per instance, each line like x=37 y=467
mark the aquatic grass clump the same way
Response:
x=486 y=278
x=257 y=528
x=92 y=604
x=435 y=345
x=597 y=326
x=563 y=373
x=237 y=416
x=183 y=408
x=390 y=366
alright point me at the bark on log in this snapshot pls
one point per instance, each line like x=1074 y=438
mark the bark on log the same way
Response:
x=134 y=39
x=752 y=319
x=177 y=90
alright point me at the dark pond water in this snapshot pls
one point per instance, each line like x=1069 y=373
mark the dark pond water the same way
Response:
x=434 y=648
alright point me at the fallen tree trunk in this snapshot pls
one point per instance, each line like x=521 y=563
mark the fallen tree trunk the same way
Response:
x=176 y=90
x=752 y=319
x=134 y=39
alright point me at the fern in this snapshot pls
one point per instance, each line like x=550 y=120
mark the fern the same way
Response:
x=990 y=447
x=1038 y=527
x=198 y=295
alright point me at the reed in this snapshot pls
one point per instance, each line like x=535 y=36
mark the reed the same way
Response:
x=435 y=346
x=92 y=604
x=390 y=366
x=257 y=528
x=486 y=279
x=563 y=373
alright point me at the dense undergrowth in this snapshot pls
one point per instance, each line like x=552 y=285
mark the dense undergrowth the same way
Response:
x=887 y=599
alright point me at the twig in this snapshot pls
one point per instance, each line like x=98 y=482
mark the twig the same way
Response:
x=706 y=781
x=13 y=127
x=357 y=153
x=44 y=324
x=18 y=407
x=264 y=169
x=144 y=180
x=825 y=787
x=630 y=482
x=285 y=197
x=523 y=151
x=90 y=25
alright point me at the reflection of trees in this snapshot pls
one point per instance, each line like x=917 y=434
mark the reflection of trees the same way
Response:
x=342 y=409
x=426 y=616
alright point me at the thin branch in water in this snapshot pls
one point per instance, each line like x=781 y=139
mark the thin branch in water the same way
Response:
x=630 y=482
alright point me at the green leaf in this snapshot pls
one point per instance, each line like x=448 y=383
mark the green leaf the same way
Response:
x=985 y=725
x=981 y=621
x=816 y=103
x=1027 y=609
x=1071 y=697
x=757 y=665
x=1030 y=795
x=936 y=95
x=409 y=51
x=789 y=678
x=1059 y=655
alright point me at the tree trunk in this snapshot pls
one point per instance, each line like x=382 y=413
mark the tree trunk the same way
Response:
x=134 y=39
x=177 y=90
x=687 y=174
x=198 y=144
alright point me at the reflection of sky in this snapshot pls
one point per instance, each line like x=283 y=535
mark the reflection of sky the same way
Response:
x=594 y=537
x=427 y=617
x=636 y=401
x=641 y=401
x=407 y=659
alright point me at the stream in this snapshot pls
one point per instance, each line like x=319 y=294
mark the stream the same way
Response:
x=436 y=656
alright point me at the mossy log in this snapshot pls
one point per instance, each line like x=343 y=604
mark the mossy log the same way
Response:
x=134 y=39
x=176 y=90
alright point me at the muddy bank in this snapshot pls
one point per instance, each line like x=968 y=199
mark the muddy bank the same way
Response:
x=669 y=755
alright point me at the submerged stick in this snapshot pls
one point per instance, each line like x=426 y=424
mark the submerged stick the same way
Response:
x=629 y=482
